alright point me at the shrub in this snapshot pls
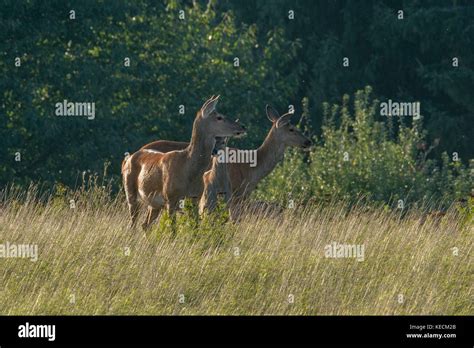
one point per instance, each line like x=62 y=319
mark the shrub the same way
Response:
x=358 y=157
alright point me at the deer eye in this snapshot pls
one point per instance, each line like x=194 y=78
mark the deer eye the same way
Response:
x=219 y=118
x=292 y=130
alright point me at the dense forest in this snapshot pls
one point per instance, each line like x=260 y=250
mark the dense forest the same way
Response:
x=148 y=66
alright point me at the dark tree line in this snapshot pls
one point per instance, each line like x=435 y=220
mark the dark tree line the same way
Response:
x=181 y=52
x=409 y=59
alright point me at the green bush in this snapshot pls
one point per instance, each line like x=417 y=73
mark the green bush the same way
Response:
x=357 y=157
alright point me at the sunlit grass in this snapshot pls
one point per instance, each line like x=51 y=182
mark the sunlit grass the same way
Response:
x=89 y=262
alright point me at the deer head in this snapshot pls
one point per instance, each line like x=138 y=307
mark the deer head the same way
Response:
x=284 y=131
x=214 y=123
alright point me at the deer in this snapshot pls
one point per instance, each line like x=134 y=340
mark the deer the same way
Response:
x=161 y=179
x=244 y=178
x=216 y=180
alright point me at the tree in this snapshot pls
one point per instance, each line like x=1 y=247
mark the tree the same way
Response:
x=147 y=67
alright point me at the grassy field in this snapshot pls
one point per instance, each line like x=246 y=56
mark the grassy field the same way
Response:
x=89 y=262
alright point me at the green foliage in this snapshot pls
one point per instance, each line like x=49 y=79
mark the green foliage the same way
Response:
x=404 y=59
x=357 y=159
x=212 y=231
x=173 y=62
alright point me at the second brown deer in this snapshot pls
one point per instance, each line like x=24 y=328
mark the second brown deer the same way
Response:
x=245 y=178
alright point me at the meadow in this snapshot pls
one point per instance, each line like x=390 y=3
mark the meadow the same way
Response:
x=377 y=212
x=90 y=262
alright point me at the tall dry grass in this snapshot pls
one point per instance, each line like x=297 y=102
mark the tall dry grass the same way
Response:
x=89 y=262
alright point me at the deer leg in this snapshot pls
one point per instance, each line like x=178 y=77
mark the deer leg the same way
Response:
x=133 y=209
x=151 y=215
x=203 y=201
x=131 y=194
x=145 y=224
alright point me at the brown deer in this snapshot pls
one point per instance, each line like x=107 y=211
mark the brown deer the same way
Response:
x=162 y=179
x=243 y=177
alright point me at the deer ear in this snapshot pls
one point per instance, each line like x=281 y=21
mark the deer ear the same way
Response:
x=209 y=106
x=285 y=119
x=272 y=114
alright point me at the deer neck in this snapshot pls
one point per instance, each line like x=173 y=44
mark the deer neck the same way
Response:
x=199 y=151
x=269 y=154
